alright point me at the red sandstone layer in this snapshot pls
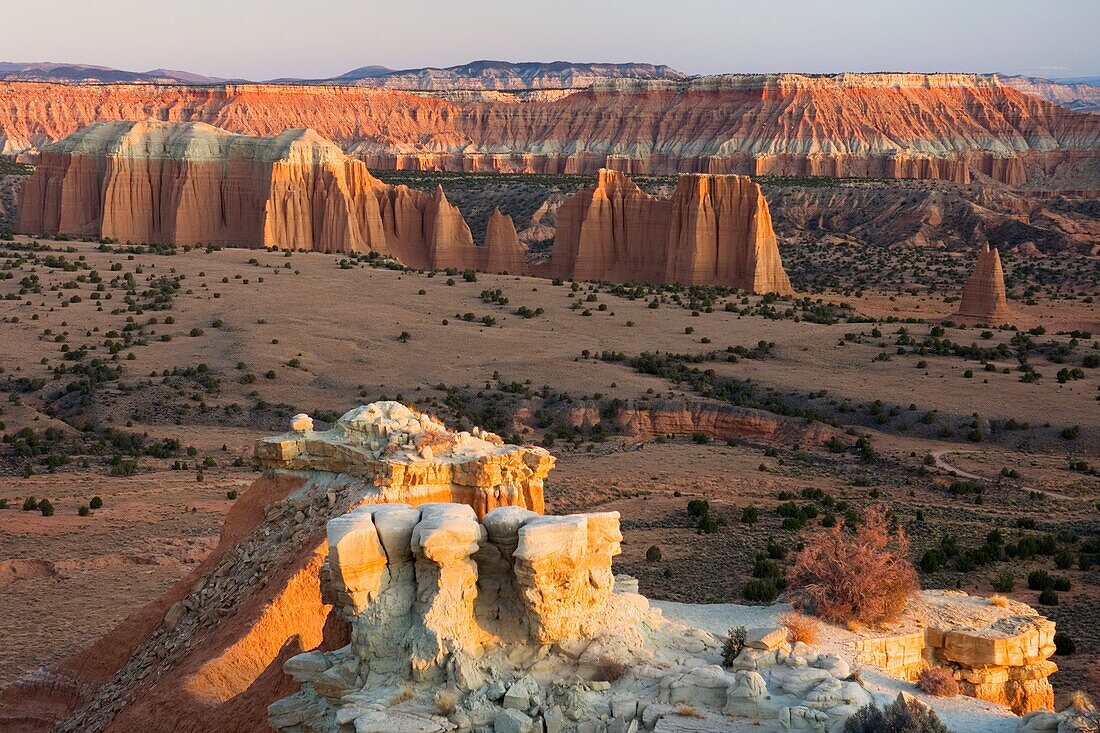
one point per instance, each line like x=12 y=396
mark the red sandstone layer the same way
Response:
x=984 y=297
x=714 y=230
x=190 y=183
x=865 y=125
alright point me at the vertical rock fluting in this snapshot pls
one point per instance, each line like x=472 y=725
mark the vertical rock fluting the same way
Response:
x=190 y=183
x=983 y=296
x=715 y=230
x=502 y=251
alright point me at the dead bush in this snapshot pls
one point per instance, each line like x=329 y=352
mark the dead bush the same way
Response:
x=402 y=695
x=438 y=440
x=608 y=670
x=938 y=681
x=845 y=576
x=688 y=711
x=446 y=702
x=801 y=627
x=999 y=601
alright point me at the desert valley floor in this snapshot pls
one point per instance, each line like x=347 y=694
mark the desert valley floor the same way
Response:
x=216 y=348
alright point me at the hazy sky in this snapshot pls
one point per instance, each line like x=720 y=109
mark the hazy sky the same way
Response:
x=270 y=38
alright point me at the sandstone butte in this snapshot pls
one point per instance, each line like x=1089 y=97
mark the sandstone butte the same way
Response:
x=191 y=183
x=714 y=230
x=983 y=296
x=935 y=126
x=390 y=553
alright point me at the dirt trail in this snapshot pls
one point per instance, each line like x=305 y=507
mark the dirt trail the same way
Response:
x=945 y=466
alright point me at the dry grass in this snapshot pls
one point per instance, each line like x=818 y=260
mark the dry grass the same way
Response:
x=856 y=675
x=688 y=711
x=608 y=670
x=938 y=681
x=999 y=601
x=437 y=440
x=1080 y=701
x=403 y=695
x=842 y=577
x=446 y=702
x=801 y=627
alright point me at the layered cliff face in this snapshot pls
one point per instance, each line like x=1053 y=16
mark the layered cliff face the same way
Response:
x=714 y=230
x=983 y=296
x=944 y=126
x=190 y=183
x=1083 y=96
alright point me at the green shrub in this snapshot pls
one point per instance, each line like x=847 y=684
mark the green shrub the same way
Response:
x=231 y=494
x=765 y=568
x=698 y=508
x=733 y=644
x=932 y=560
x=46 y=508
x=760 y=590
x=750 y=515
x=1039 y=580
x=1004 y=582
x=123 y=466
x=96 y=503
x=900 y=716
x=83 y=511
x=1048 y=598
x=708 y=524
x=1064 y=644
x=30 y=504
x=653 y=554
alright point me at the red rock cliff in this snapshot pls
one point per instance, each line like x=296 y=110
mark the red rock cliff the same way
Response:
x=983 y=297
x=715 y=230
x=946 y=126
x=189 y=183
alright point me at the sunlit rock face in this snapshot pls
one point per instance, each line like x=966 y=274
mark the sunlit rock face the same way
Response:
x=984 y=296
x=955 y=127
x=190 y=183
x=714 y=230
x=410 y=457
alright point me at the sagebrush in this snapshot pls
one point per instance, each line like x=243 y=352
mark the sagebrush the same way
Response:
x=844 y=576
x=901 y=716
x=938 y=681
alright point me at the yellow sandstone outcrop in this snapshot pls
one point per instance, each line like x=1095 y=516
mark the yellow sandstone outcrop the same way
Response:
x=410 y=457
x=1002 y=658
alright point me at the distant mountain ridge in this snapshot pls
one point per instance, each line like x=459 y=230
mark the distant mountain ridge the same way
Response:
x=505 y=75
x=477 y=75
x=87 y=73
x=1081 y=94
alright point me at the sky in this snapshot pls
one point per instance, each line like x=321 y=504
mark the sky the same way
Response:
x=266 y=39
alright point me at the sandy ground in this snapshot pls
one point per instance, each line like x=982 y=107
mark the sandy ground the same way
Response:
x=343 y=327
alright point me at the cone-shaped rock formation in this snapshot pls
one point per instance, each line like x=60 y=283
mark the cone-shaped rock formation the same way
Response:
x=715 y=230
x=983 y=297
